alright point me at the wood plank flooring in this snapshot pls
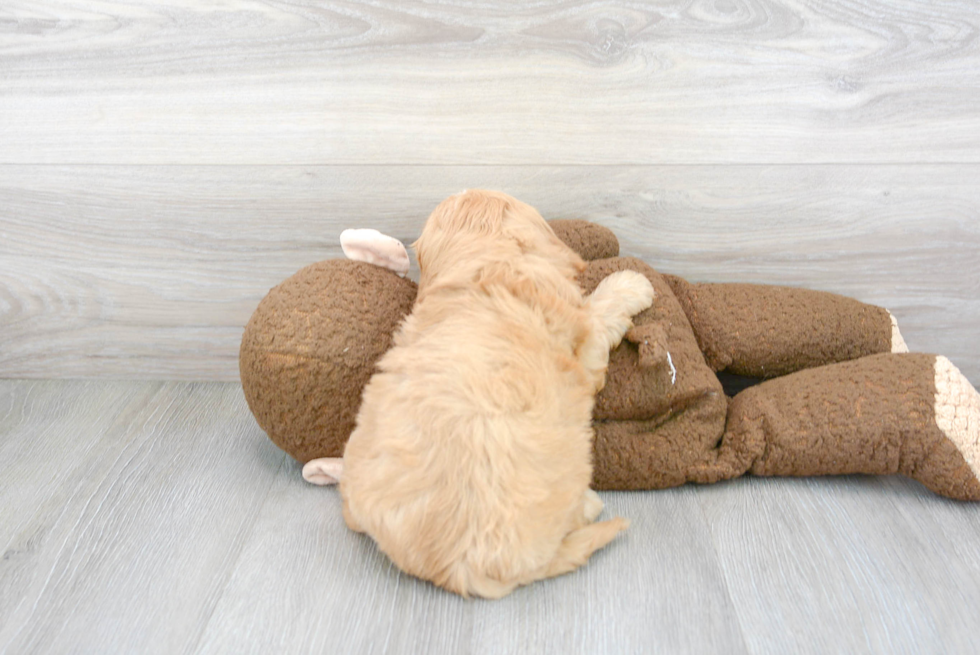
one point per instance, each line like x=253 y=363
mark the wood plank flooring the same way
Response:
x=158 y=518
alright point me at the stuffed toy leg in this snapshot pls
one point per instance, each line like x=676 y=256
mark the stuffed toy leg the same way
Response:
x=875 y=413
x=912 y=414
x=764 y=331
x=844 y=399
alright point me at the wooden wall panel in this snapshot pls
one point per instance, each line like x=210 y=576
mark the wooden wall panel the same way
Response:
x=152 y=272
x=163 y=164
x=567 y=82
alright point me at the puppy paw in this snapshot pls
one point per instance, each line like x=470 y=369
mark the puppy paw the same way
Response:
x=591 y=505
x=617 y=299
x=632 y=290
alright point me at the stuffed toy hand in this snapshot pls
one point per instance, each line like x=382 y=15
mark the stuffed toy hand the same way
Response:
x=840 y=393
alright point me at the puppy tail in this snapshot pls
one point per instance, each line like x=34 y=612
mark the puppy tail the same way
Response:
x=578 y=546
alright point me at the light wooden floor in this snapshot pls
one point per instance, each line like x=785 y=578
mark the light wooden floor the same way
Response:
x=157 y=518
x=163 y=163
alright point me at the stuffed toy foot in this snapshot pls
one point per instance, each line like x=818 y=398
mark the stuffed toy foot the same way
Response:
x=958 y=416
x=898 y=342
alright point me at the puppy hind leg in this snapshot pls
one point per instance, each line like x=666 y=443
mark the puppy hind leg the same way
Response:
x=574 y=551
x=578 y=546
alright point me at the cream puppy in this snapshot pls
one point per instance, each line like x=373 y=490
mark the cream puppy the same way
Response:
x=472 y=456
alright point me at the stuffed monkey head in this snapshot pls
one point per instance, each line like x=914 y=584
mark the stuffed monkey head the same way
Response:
x=312 y=343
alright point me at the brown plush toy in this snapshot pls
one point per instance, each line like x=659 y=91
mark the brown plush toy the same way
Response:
x=841 y=394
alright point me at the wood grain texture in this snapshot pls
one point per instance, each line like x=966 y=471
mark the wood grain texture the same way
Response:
x=565 y=82
x=152 y=272
x=351 y=597
x=131 y=548
x=815 y=554
x=51 y=466
x=157 y=518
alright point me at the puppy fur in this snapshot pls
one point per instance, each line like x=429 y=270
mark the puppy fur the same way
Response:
x=471 y=460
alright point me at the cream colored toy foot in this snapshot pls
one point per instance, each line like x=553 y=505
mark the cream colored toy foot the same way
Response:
x=898 y=343
x=958 y=412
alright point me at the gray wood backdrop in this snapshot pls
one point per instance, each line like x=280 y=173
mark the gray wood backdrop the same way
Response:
x=163 y=164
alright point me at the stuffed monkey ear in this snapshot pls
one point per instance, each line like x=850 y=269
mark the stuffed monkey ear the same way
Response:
x=323 y=471
x=366 y=245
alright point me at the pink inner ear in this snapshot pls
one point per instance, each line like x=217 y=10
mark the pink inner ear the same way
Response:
x=324 y=471
x=373 y=247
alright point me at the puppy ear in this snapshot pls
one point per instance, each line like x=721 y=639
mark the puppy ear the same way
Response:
x=479 y=212
x=533 y=235
x=419 y=247
x=576 y=265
